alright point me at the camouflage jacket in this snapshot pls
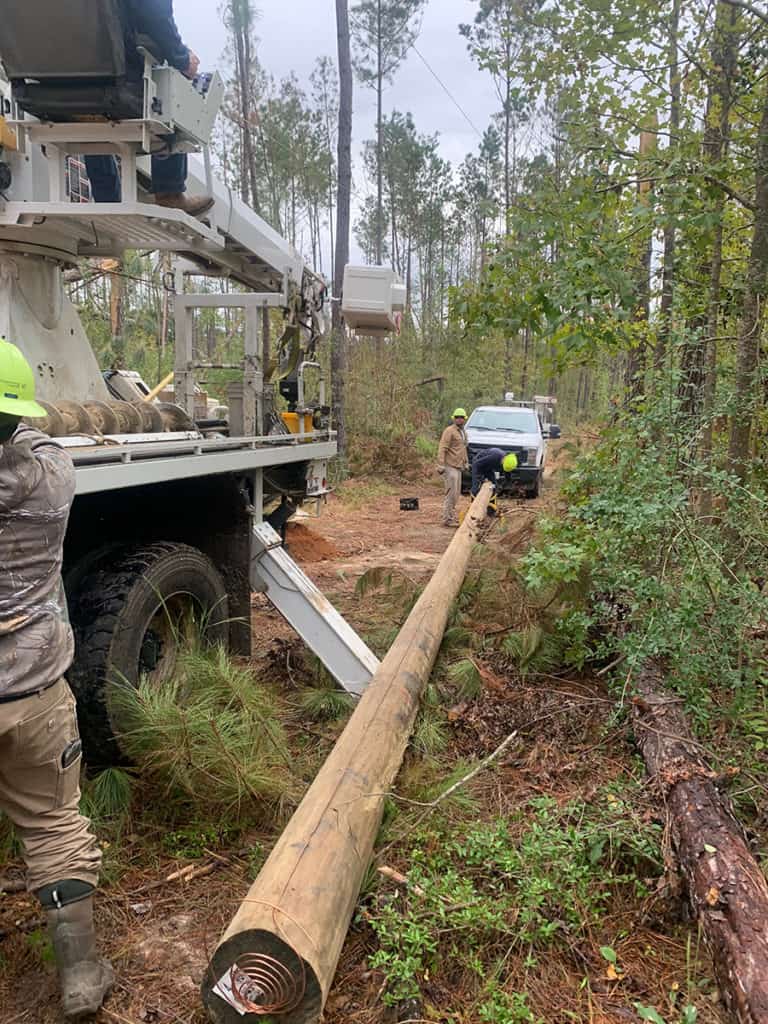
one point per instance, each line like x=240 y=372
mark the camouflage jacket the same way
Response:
x=37 y=485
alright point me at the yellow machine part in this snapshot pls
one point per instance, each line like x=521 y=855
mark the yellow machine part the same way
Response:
x=291 y=420
x=7 y=136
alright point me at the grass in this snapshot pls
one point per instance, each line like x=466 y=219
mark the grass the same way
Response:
x=358 y=493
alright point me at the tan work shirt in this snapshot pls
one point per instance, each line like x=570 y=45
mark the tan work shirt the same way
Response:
x=37 y=485
x=453 y=448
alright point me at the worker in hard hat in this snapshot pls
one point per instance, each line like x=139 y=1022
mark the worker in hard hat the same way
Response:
x=154 y=20
x=40 y=749
x=451 y=460
x=487 y=464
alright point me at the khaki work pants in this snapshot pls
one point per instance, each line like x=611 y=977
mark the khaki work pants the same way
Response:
x=39 y=794
x=452 y=482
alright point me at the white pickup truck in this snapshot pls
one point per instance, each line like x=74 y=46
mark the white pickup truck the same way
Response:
x=515 y=428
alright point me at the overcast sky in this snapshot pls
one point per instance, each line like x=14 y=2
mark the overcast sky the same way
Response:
x=294 y=33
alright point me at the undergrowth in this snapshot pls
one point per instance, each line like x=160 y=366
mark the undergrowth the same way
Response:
x=637 y=568
x=518 y=884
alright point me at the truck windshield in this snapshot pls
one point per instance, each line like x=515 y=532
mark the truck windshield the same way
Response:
x=519 y=421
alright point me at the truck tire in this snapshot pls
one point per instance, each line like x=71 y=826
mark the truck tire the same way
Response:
x=533 y=491
x=129 y=619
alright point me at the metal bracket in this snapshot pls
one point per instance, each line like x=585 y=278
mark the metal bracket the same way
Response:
x=327 y=634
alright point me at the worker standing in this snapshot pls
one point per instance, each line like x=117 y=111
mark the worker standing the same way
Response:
x=153 y=19
x=451 y=460
x=487 y=464
x=40 y=749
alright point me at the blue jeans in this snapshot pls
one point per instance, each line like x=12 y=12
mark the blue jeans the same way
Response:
x=169 y=175
x=482 y=471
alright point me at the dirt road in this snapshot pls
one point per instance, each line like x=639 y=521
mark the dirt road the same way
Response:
x=363 y=528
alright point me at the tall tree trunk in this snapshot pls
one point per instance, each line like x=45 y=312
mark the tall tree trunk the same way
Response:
x=379 y=141
x=507 y=364
x=250 y=151
x=116 y=309
x=636 y=357
x=266 y=343
x=344 y=160
x=716 y=139
x=241 y=30
x=165 y=269
x=699 y=354
x=668 y=273
x=507 y=129
x=746 y=397
x=409 y=276
x=330 y=203
x=526 y=352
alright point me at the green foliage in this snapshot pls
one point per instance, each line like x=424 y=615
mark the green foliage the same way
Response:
x=550 y=872
x=425 y=446
x=538 y=650
x=688 y=1015
x=211 y=736
x=39 y=942
x=106 y=798
x=192 y=841
x=647 y=558
x=430 y=736
x=465 y=678
x=325 y=702
x=500 y=1007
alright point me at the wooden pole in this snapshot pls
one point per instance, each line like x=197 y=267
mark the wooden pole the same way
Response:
x=726 y=887
x=288 y=933
x=159 y=387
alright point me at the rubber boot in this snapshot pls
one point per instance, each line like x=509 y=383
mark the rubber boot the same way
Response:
x=85 y=980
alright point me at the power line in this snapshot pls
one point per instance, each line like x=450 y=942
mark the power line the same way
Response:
x=447 y=91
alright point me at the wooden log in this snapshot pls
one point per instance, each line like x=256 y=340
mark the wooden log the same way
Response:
x=281 y=950
x=726 y=887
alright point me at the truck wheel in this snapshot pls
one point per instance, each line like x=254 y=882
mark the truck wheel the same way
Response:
x=533 y=492
x=130 y=618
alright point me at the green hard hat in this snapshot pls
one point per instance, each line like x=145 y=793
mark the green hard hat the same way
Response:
x=459 y=412
x=509 y=462
x=17 y=383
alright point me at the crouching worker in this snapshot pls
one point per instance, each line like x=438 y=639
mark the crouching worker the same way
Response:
x=486 y=464
x=451 y=460
x=40 y=750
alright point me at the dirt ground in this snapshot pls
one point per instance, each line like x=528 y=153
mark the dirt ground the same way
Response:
x=159 y=930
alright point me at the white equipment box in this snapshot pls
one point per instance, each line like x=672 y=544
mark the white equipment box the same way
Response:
x=372 y=300
x=182 y=107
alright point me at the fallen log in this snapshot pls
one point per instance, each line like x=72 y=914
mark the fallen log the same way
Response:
x=726 y=887
x=279 y=954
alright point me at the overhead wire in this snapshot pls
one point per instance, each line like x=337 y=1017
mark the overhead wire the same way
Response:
x=447 y=91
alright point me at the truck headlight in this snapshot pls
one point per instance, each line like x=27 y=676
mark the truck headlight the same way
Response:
x=533 y=457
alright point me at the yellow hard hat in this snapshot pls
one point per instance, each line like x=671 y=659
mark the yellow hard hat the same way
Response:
x=17 y=383
x=459 y=412
x=509 y=462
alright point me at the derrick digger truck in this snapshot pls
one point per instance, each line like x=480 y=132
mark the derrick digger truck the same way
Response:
x=166 y=533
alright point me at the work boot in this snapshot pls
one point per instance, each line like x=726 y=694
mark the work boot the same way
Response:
x=179 y=201
x=84 y=979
